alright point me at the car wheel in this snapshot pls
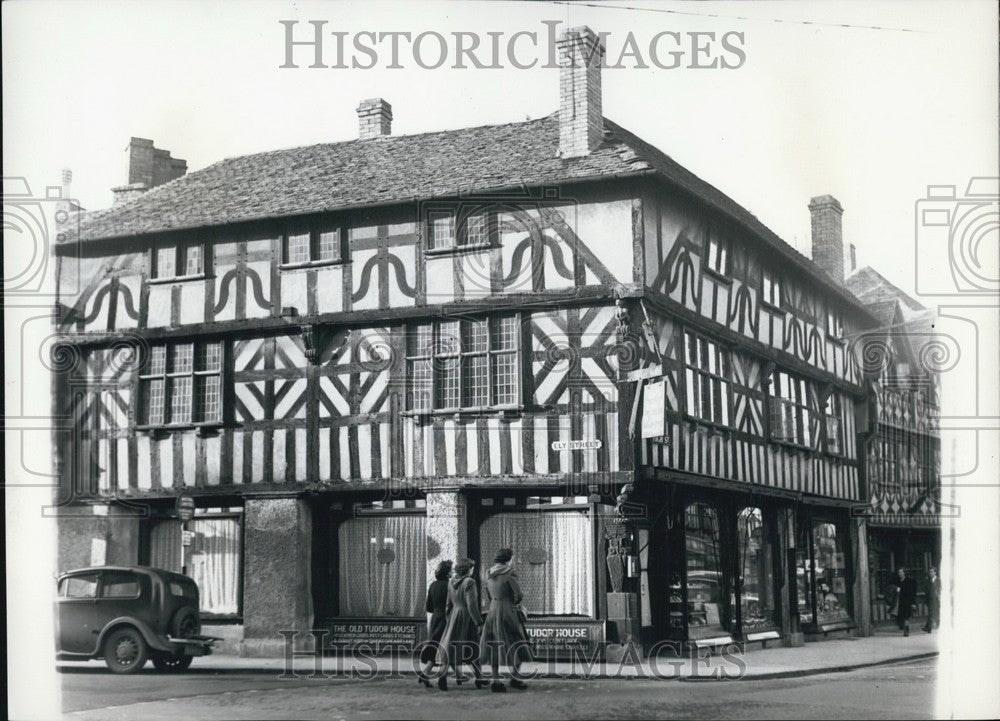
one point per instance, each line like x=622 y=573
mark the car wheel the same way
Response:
x=171 y=662
x=185 y=623
x=125 y=651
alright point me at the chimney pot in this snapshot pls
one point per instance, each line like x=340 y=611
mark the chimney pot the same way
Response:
x=828 y=235
x=581 y=122
x=374 y=119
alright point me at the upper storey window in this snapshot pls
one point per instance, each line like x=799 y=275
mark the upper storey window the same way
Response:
x=178 y=261
x=448 y=229
x=463 y=365
x=311 y=247
x=834 y=324
x=181 y=384
x=717 y=259
x=707 y=379
x=771 y=289
x=791 y=417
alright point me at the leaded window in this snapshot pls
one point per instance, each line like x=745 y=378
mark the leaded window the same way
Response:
x=178 y=261
x=707 y=378
x=463 y=364
x=181 y=383
x=791 y=416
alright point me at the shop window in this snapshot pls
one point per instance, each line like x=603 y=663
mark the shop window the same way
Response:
x=214 y=558
x=705 y=580
x=707 y=375
x=178 y=261
x=463 y=364
x=382 y=569
x=554 y=557
x=181 y=383
x=790 y=415
x=757 y=599
x=832 y=602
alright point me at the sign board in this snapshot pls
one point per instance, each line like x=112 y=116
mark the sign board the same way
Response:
x=565 y=639
x=379 y=634
x=643 y=373
x=185 y=508
x=654 y=414
x=576 y=445
x=187 y=538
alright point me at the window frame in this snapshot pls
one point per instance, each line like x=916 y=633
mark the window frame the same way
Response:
x=180 y=260
x=315 y=234
x=109 y=575
x=168 y=376
x=459 y=355
x=459 y=241
x=74 y=576
x=801 y=411
x=768 y=283
x=717 y=380
x=834 y=325
x=722 y=246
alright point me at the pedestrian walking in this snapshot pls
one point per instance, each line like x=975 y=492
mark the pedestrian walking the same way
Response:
x=460 y=642
x=504 y=638
x=437 y=607
x=933 y=590
x=907 y=599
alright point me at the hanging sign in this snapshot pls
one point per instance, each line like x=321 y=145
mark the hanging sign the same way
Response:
x=654 y=414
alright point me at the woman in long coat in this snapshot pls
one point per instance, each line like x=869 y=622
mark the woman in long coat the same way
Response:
x=504 y=638
x=437 y=606
x=459 y=644
x=907 y=599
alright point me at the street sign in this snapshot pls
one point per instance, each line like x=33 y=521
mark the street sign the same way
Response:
x=654 y=419
x=577 y=445
x=185 y=508
x=187 y=538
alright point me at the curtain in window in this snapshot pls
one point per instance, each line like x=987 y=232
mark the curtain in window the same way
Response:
x=383 y=566
x=213 y=558
x=561 y=585
x=215 y=563
x=165 y=546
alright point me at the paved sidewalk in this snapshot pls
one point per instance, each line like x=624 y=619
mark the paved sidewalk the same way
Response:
x=833 y=655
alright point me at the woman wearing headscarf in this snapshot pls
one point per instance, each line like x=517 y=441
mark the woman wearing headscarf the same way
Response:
x=504 y=638
x=460 y=642
x=437 y=606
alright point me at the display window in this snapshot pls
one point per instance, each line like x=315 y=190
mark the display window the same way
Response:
x=758 y=600
x=822 y=574
x=553 y=543
x=706 y=582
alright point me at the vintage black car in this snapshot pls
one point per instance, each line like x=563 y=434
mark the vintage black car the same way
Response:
x=127 y=615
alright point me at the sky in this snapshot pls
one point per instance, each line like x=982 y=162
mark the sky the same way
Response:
x=871 y=116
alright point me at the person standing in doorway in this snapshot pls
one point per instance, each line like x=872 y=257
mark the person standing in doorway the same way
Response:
x=933 y=591
x=907 y=596
x=504 y=638
x=437 y=607
x=460 y=642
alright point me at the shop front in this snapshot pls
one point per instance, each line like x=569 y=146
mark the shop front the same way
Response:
x=724 y=566
x=892 y=547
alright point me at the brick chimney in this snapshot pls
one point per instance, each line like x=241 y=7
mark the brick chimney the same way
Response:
x=581 y=124
x=374 y=119
x=148 y=167
x=828 y=235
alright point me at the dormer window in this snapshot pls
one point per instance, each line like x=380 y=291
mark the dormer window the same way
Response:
x=179 y=261
x=309 y=247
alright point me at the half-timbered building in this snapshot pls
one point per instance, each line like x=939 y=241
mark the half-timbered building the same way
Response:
x=901 y=445
x=361 y=358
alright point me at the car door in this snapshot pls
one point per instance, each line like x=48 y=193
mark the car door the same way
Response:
x=120 y=594
x=78 y=615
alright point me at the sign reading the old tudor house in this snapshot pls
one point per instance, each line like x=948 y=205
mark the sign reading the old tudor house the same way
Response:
x=388 y=634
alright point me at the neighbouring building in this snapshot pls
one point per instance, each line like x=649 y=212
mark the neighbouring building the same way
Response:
x=902 y=445
x=361 y=358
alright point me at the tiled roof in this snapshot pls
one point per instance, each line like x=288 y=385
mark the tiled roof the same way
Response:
x=870 y=285
x=397 y=169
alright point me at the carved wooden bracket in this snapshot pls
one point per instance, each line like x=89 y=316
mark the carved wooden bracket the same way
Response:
x=315 y=337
